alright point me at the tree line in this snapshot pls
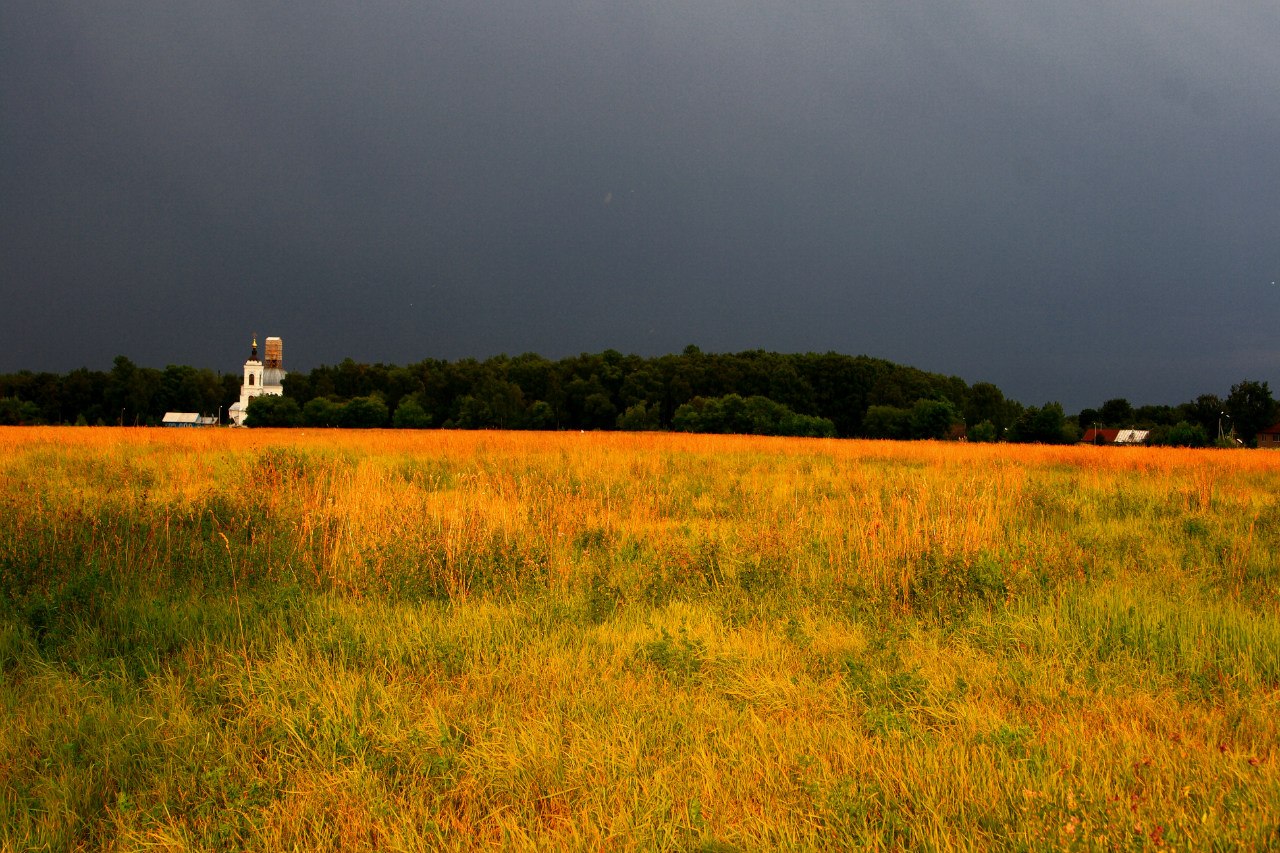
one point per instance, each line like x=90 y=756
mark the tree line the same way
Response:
x=126 y=395
x=811 y=394
x=1207 y=420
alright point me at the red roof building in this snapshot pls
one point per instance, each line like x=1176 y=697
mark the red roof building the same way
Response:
x=1099 y=436
x=1270 y=437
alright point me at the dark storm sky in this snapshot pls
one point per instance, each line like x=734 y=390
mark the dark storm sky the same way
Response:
x=1074 y=200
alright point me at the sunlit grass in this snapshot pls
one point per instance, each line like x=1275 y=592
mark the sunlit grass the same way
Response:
x=441 y=640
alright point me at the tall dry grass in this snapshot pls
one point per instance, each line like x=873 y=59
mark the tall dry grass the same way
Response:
x=442 y=640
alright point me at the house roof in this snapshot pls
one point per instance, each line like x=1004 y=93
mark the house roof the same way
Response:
x=1115 y=436
x=181 y=417
x=1274 y=429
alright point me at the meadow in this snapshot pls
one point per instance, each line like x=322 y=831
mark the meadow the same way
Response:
x=434 y=640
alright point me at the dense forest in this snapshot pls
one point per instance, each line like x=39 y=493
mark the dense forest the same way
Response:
x=750 y=392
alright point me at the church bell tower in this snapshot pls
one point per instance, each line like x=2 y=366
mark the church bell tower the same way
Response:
x=258 y=380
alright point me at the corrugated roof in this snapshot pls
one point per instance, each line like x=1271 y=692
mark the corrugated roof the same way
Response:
x=182 y=417
x=1115 y=436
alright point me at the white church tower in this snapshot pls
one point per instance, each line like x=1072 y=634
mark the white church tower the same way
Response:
x=264 y=376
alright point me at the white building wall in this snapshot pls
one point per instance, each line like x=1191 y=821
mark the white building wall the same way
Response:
x=251 y=386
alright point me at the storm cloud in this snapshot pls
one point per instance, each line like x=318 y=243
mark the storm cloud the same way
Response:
x=1074 y=201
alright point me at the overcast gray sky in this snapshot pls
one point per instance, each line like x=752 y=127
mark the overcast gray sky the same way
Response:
x=1075 y=201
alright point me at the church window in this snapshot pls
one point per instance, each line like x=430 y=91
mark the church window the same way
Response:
x=250 y=378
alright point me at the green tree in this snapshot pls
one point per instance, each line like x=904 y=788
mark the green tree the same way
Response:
x=900 y=386
x=472 y=413
x=1046 y=425
x=1117 y=413
x=299 y=386
x=697 y=415
x=269 y=410
x=186 y=389
x=734 y=417
x=535 y=376
x=367 y=412
x=931 y=419
x=983 y=431
x=1251 y=408
x=1206 y=411
x=400 y=384
x=492 y=404
x=541 y=416
x=1089 y=419
x=764 y=416
x=643 y=386
x=410 y=415
x=598 y=411
x=322 y=412
x=15 y=412
x=887 y=422
x=806 y=426
x=986 y=402
x=1155 y=415
x=640 y=417
x=83 y=395
x=1181 y=434
x=133 y=393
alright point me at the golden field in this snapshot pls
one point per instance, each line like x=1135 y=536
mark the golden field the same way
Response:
x=457 y=640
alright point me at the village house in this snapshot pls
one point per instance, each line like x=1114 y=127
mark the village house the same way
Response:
x=1115 y=436
x=1269 y=437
